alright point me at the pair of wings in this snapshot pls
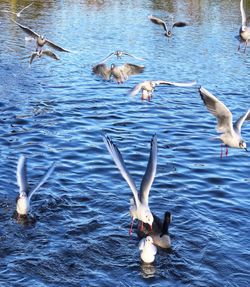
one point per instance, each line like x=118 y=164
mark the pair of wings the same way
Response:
x=43 y=53
x=140 y=86
x=148 y=177
x=222 y=113
x=34 y=35
x=119 y=54
x=18 y=14
x=22 y=180
x=125 y=69
x=159 y=21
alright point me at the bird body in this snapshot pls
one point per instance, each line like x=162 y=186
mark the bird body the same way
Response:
x=139 y=209
x=148 y=250
x=230 y=133
x=148 y=87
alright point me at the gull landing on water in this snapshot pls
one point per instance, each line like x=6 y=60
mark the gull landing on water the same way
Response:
x=139 y=208
x=23 y=200
x=230 y=133
x=244 y=29
x=148 y=87
x=18 y=14
x=148 y=250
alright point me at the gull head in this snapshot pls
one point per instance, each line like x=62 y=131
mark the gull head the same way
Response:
x=149 y=218
x=243 y=145
x=149 y=239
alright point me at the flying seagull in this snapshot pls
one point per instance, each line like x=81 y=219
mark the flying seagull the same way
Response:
x=18 y=14
x=39 y=54
x=119 y=54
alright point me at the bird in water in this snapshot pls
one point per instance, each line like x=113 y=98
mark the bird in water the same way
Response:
x=119 y=73
x=39 y=54
x=244 y=32
x=159 y=231
x=18 y=14
x=230 y=133
x=23 y=200
x=40 y=39
x=119 y=54
x=139 y=208
x=168 y=30
x=148 y=250
x=148 y=87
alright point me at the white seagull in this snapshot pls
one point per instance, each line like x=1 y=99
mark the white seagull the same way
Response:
x=119 y=54
x=230 y=133
x=148 y=250
x=139 y=208
x=244 y=29
x=18 y=14
x=23 y=200
x=148 y=87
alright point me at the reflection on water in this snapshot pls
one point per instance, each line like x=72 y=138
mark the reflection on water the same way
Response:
x=58 y=110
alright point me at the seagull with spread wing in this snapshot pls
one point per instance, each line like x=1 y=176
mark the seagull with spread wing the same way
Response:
x=119 y=54
x=23 y=200
x=168 y=30
x=230 y=133
x=139 y=206
x=148 y=87
x=18 y=14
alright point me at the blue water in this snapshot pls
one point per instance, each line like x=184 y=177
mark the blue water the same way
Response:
x=58 y=111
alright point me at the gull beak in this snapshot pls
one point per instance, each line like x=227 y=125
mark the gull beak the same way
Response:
x=151 y=227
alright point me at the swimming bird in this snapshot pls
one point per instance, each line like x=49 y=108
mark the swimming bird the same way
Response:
x=148 y=250
x=168 y=30
x=18 y=14
x=244 y=29
x=40 y=39
x=159 y=231
x=139 y=208
x=39 y=54
x=119 y=73
x=148 y=87
x=119 y=55
x=230 y=133
x=23 y=200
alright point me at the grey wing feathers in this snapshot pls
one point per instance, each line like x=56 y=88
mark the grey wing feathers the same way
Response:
x=26 y=7
x=22 y=174
x=135 y=90
x=102 y=70
x=32 y=57
x=188 y=84
x=158 y=21
x=127 y=54
x=106 y=58
x=180 y=24
x=43 y=180
x=56 y=47
x=243 y=14
x=27 y=30
x=219 y=110
x=149 y=175
x=50 y=54
x=238 y=124
x=131 y=69
x=117 y=157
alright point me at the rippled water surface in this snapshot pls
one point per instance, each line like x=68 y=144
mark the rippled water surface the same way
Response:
x=58 y=111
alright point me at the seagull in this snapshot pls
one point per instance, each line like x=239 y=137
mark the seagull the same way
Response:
x=39 y=54
x=148 y=250
x=119 y=55
x=18 y=14
x=244 y=29
x=230 y=133
x=148 y=87
x=159 y=231
x=168 y=31
x=23 y=200
x=119 y=73
x=139 y=208
x=40 y=40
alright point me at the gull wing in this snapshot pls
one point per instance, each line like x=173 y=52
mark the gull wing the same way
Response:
x=130 y=55
x=102 y=70
x=131 y=69
x=188 y=84
x=43 y=180
x=106 y=58
x=27 y=30
x=56 y=47
x=117 y=157
x=142 y=244
x=179 y=24
x=243 y=14
x=219 y=110
x=26 y=7
x=32 y=57
x=149 y=175
x=21 y=174
x=136 y=89
x=158 y=21
x=50 y=54
x=240 y=121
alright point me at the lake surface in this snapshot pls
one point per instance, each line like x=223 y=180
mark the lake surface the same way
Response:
x=58 y=111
